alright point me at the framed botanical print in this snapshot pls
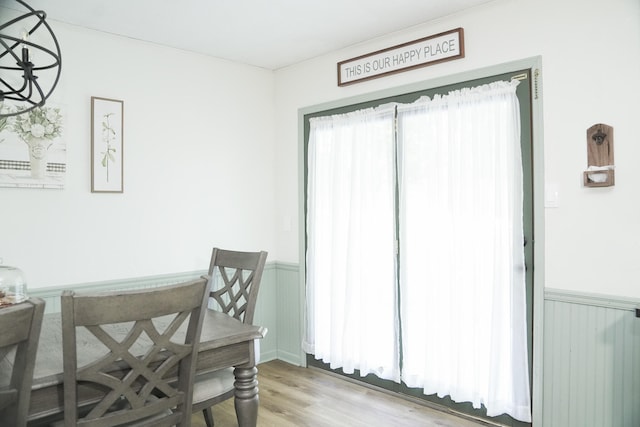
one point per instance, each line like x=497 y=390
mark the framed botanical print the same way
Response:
x=107 y=144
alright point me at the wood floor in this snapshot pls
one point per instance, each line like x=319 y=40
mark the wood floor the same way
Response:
x=291 y=396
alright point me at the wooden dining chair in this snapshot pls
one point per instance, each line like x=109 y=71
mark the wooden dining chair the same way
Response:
x=144 y=374
x=19 y=335
x=236 y=280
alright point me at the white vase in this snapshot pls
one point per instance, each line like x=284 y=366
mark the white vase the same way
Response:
x=38 y=153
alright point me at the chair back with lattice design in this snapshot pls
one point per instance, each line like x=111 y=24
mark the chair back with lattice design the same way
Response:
x=19 y=335
x=236 y=280
x=129 y=357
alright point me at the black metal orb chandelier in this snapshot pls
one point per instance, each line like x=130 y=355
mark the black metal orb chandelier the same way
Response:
x=19 y=68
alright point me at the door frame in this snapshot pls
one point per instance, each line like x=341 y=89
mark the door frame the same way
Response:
x=533 y=63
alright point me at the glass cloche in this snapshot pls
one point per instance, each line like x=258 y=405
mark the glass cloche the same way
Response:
x=13 y=286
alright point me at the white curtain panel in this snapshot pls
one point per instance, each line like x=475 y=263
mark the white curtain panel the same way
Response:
x=462 y=272
x=351 y=289
x=461 y=293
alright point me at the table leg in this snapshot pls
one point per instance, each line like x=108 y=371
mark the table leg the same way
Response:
x=246 y=396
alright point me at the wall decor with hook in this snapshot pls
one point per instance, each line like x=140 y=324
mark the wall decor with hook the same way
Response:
x=600 y=170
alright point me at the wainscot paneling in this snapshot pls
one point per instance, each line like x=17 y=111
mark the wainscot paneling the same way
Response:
x=591 y=364
x=51 y=296
x=591 y=361
x=290 y=320
x=267 y=313
x=266 y=310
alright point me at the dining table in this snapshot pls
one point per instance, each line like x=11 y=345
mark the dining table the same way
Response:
x=225 y=342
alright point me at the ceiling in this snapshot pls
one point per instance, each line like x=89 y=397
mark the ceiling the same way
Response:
x=265 y=33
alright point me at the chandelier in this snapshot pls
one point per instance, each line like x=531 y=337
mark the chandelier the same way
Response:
x=28 y=71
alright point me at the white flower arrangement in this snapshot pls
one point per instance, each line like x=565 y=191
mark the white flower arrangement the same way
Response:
x=41 y=122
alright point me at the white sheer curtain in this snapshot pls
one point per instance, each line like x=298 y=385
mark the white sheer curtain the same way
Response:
x=462 y=283
x=351 y=276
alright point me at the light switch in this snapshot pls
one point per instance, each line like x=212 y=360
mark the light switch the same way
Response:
x=551 y=196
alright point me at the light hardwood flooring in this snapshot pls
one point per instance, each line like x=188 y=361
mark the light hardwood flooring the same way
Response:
x=291 y=396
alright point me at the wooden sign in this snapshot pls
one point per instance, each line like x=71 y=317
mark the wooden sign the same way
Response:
x=407 y=56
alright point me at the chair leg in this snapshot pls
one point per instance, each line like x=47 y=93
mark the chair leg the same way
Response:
x=208 y=417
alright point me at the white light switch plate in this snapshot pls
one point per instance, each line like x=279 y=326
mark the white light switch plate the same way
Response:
x=551 y=196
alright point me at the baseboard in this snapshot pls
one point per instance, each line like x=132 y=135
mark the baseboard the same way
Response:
x=291 y=358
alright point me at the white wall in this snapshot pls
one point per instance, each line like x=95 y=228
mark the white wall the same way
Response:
x=199 y=154
x=591 y=62
x=194 y=165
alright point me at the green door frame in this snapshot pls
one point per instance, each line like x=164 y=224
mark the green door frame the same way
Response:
x=535 y=244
